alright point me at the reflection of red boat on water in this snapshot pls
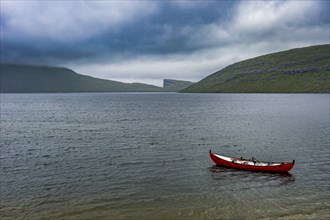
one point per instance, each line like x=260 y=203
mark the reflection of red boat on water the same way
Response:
x=251 y=165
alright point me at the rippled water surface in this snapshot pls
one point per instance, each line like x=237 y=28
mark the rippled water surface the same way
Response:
x=145 y=156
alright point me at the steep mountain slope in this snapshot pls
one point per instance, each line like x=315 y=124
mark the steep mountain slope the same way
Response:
x=297 y=70
x=28 y=79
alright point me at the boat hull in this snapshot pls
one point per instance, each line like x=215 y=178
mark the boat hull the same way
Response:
x=281 y=167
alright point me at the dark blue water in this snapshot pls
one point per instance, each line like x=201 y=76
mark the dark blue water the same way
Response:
x=145 y=156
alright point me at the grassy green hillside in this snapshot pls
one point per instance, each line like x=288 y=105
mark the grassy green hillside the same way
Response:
x=175 y=85
x=298 y=70
x=26 y=78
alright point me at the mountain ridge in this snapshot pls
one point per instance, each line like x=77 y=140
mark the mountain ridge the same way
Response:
x=296 y=70
x=22 y=78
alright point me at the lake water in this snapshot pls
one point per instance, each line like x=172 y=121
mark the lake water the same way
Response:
x=145 y=156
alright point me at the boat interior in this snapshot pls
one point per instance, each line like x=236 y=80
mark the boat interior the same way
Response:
x=251 y=162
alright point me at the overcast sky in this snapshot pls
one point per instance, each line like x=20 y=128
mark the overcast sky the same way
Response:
x=147 y=41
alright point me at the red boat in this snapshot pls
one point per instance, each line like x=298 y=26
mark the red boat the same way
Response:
x=251 y=165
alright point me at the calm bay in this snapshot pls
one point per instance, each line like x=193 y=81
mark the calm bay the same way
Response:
x=145 y=156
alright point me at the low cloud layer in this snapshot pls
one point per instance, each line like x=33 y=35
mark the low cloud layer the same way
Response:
x=146 y=41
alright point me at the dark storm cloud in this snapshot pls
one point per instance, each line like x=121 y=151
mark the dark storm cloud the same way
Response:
x=63 y=30
x=150 y=40
x=165 y=30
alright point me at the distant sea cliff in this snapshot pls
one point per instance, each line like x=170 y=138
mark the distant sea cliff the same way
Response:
x=175 y=85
